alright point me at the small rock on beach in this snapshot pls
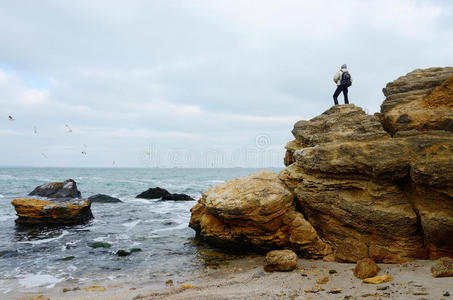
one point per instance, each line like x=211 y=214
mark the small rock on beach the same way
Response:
x=280 y=260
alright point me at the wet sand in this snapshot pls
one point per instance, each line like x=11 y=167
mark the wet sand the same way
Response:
x=246 y=279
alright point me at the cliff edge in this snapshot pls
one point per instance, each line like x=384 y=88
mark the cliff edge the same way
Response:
x=355 y=185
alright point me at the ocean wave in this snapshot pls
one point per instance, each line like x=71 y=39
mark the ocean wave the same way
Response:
x=144 y=201
x=180 y=226
x=132 y=224
x=36 y=280
x=216 y=181
x=45 y=240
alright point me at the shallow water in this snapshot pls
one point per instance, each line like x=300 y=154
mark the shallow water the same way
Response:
x=30 y=259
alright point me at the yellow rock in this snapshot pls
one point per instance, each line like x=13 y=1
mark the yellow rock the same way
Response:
x=323 y=280
x=55 y=211
x=94 y=288
x=258 y=209
x=187 y=286
x=378 y=279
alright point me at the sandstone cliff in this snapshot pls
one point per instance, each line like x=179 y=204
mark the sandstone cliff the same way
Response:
x=377 y=186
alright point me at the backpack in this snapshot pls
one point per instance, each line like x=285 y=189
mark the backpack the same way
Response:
x=346 y=79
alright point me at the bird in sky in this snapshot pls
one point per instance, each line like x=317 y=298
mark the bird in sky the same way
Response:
x=84 y=153
x=68 y=128
x=42 y=153
x=35 y=130
x=11 y=118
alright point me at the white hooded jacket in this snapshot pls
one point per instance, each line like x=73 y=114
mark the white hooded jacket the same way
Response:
x=337 y=76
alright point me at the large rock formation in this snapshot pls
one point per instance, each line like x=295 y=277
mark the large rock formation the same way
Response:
x=257 y=210
x=60 y=211
x=372 y=186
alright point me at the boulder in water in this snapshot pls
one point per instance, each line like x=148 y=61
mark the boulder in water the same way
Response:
x=60 y=211
x=65 y=189
x=101 y=198
x=177 y=197
x=153 y=193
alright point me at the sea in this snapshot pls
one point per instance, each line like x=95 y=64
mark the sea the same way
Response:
x=37 y=259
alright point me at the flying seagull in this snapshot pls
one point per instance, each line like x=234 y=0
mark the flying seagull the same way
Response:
x=68 y=128
x=42 y=153
x=35 y=130
x=84 y=153
x=11 y=118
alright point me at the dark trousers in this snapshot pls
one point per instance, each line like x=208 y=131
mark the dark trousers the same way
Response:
x=341 y=88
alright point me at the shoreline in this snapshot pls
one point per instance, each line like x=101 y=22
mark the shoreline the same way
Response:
x=245 y=278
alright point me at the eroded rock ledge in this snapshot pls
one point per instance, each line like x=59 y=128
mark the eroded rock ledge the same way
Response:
x=355 y=186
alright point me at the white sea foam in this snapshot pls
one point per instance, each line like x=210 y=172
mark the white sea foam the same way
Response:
x=72 y=268
x=45 y=240
x=35 y=280
x=216 y=181
x=132 y=224
x=180 y=226
x=145 y=201
x=1 y=196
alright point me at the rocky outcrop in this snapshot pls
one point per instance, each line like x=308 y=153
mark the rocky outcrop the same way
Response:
x=60 y=211
x=257 y=211
x=420 y=100
x=101 y=198
x=65 y=189
x=367 y=186
x=153 y=193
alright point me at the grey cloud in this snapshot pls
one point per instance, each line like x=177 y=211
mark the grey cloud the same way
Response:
x=197 y=75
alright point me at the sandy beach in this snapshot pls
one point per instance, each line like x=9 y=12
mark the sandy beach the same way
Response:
x=313 y=279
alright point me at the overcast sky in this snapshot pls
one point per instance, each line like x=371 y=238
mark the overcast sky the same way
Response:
x=195 y=83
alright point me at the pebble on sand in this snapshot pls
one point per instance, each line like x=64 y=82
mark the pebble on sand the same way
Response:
x=94 y=288
x=378 y=279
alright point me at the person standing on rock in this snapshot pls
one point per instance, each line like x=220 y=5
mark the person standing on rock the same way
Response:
x=343 y=79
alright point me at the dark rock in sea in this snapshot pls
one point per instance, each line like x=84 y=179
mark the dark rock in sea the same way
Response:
x=101 y=198
x=65 y=189
x=59 y=211
x=135 y=250
x=123 y=253
x=177 y=197
x=99 y=245
x=153 y=193
x=66 y=258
